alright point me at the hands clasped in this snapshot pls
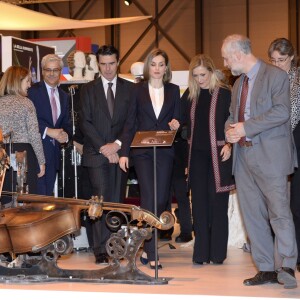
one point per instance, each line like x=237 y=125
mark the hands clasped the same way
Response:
x=110 y=150
x=235 y=132
x=174 y=124
x=58 y=134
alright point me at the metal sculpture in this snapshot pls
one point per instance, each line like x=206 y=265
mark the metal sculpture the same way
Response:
x=39 y=232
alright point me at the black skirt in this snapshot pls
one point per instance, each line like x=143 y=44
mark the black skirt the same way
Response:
x=10 y=180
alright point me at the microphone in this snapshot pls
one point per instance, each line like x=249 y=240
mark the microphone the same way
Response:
x=72 y=88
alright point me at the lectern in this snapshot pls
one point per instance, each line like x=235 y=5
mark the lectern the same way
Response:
x=154 y=139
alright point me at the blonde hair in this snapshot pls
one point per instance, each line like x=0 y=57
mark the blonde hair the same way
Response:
x=205 y=62
x=156 y=52
x=11 y=82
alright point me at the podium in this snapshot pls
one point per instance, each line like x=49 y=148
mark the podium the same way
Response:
x=154 y=139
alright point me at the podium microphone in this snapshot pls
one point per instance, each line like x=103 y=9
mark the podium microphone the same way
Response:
x=72 y=88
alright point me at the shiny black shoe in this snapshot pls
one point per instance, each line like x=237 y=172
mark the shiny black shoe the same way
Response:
x=262 y=277
x=101 y=259
x=286 y=276
x=183 y=238
x=218 y=262
x=152 y=265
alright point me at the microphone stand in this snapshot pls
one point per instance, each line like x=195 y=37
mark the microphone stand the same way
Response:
x=72 y=93
x=63 y=170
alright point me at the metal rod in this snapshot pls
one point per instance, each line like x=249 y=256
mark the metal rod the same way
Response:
x=72 y=93
x=155 y=210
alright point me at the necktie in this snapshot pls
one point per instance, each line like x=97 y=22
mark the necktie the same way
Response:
x=53 y=106
x=110 y=99
x=243 y=101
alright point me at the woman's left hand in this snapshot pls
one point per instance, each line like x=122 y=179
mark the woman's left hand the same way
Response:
x=226 y=152
x=174 y=124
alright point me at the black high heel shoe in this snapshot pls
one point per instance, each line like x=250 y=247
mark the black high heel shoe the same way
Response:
x=152 y=266
x=144 y=260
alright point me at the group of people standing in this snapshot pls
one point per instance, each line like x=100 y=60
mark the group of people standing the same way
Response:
x=36 y=120
x=247 y=130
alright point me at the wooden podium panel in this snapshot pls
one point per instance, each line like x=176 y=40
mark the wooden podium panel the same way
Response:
x=161 y=138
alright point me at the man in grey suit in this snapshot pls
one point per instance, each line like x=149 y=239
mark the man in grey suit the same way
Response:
x=263 y=156
x=104 y=105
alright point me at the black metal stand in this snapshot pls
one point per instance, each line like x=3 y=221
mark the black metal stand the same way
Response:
x=72 y=93
x=155 y=211
x=154 y=139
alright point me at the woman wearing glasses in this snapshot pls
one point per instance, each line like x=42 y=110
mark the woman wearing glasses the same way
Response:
x=282 y=54
x=19 y=124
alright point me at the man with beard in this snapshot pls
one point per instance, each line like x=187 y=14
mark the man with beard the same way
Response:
x=264 y=154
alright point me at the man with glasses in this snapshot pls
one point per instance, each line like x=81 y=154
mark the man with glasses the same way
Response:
x=52 y=108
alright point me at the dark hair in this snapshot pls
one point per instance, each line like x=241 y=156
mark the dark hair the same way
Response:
x=107 y=50
x=283 y=46
x=156 y=52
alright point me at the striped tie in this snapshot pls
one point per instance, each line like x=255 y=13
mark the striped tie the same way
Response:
x=53 y=106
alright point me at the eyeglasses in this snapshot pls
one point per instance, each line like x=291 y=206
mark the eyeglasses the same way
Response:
x=278 y=61
x=54 y=71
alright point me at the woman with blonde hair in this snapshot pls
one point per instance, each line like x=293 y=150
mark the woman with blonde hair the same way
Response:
x=19 y=124
x=206 y=108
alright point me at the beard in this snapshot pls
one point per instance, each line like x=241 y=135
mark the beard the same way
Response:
x=236 y=72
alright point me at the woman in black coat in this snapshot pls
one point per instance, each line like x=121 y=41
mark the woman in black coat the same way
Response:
x=206 y=103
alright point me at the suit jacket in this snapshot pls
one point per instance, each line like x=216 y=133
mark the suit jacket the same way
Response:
x=39 y=96
x=269 y=125
x=141 y=116
x=96 y=123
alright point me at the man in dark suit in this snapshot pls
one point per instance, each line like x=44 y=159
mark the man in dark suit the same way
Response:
x=52 y=108
x=104 y=105
x=264 y=154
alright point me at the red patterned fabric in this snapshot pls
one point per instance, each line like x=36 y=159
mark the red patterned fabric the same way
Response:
x=213 y=140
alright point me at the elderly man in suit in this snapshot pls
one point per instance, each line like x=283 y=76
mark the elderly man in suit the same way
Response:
x=264 y=154
x=52 y=108
x=104 y=105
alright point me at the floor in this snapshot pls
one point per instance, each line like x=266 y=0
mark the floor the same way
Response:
x=188 y=281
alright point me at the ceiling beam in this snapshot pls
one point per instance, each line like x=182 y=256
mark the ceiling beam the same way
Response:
x=24 y=2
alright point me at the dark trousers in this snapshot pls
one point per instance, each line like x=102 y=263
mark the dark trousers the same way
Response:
x=295 y=191
x=45 y=184
x=209 y=210
x=179 y=187
x=106 y=182
x=144 y=169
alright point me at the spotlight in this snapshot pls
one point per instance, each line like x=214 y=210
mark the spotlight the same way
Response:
x=127 y=2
